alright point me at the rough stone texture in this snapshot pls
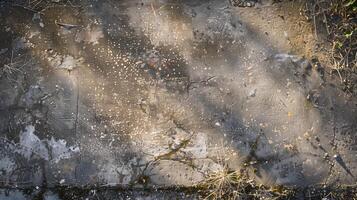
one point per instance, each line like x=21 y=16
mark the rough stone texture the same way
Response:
x=158 y=93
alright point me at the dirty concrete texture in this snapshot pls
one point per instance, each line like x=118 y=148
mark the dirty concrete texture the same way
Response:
x=156 y=94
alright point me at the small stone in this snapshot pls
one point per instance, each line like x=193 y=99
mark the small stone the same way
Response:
x=326 y=155
x=317 y=138
x=252 y=93
x=308 y=97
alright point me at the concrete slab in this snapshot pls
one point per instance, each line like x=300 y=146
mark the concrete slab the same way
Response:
x=142 y=94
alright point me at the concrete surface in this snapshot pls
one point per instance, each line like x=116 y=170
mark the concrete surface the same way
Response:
x=146 y=94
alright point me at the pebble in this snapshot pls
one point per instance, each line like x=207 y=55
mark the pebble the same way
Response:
x=252 y=93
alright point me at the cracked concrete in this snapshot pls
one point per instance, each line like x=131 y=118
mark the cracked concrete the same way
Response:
x=159 y=94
